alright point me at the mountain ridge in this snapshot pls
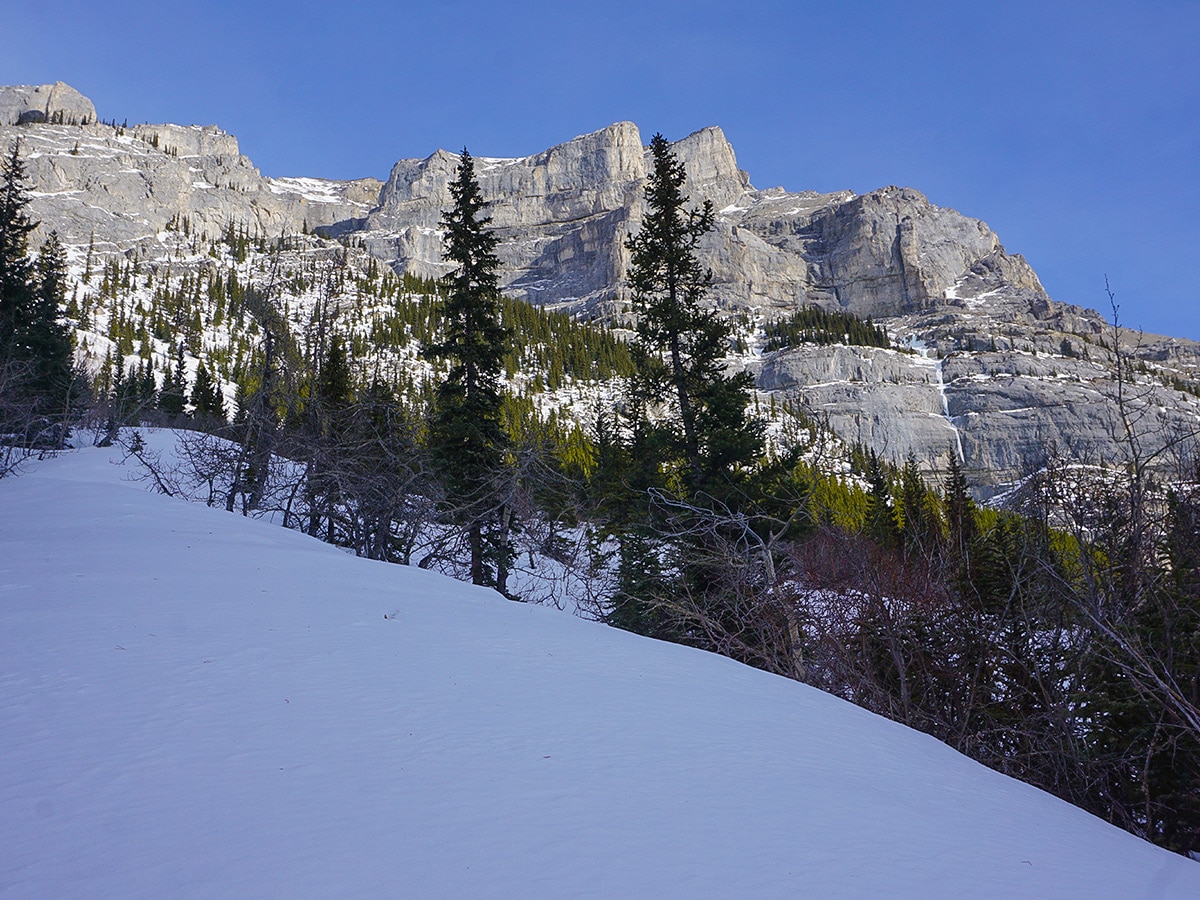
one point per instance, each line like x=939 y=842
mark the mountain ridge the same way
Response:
x=1002 y=374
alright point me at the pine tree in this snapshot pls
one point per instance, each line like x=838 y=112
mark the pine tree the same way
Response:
x=672 y=577
x=35 y=346
x=326 y=417
x=880 y=522
x=207 y=402
x=920 y=525
x=960 y=512
x=684 y=345
x=15 y=266
x=467 y=439
x=44 y=337
x=173 y=396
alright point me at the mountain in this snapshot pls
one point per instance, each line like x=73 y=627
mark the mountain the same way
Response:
x=983 y=364
x=199 y=704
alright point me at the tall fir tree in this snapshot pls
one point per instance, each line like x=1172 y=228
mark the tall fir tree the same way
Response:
x=467 y=438
x=880 y=524
x=47 y=338
x=700 y=451
x=207 y=402
x=173 y=396
x=35 y=346
x=683 y=344
x=15 y=266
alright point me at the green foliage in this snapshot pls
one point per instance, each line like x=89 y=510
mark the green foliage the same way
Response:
x=880 y=524
x=682 y=345
x=35 y=345
x=814 y=325
x=661 y=478
x=557 y=346
x=208 y=405
x=467 y=440
x=334 y=389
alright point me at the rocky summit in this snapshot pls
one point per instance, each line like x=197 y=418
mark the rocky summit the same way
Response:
x=983 y=365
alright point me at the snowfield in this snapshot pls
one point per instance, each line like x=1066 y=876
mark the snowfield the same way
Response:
x=193 y=704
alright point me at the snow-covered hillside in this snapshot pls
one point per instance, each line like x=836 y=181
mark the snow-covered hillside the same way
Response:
x=196 y=704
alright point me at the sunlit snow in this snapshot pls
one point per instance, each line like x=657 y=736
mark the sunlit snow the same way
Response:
x=193 y=704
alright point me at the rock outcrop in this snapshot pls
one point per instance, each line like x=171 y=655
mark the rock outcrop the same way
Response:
x=124 y=186
x=560 y=215
x=563 y=216
x=58 y=103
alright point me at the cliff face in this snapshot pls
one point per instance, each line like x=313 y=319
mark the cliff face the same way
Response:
x=563 y=215
x=996 y=372
x=123 y=186
x=58 y=102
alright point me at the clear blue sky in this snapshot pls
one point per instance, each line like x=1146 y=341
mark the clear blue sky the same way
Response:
x=1072 y=128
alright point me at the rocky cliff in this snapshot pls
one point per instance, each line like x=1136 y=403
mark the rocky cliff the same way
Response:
x=58 y=102
x=988 y=368
x=563 y=215
x=122 y=186
x=985 y=365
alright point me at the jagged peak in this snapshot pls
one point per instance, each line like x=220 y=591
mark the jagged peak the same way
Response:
x=712 y=167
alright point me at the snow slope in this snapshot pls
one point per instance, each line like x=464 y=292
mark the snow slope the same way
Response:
x=196 y=704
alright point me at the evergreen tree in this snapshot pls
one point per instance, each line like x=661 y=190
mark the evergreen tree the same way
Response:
x=207 y=402
x=44 y=337
x=328 y=414
x=35 y=347
x=960 y=513
x=686 y=472
x=880 y=524
x=467 y=439
x=920 y=525
x=683 y=344
x=335 y=385
x=173 y=396
x=15 y=266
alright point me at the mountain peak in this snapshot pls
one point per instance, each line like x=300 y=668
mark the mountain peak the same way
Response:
x=56 y=103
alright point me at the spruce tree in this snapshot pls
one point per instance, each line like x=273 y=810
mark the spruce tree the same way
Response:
x=173 y=396
x=15 y=266
x=207 y=401
x=880 y=524
x=696 y=456
x=35 y=346
x=960 y=513
x=327 y=415
x=467 y=439
x=683 y=344
x=44 y=337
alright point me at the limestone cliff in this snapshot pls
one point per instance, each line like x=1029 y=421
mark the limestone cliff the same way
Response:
x=986 y=366
x=59 y=103
x=123 y=186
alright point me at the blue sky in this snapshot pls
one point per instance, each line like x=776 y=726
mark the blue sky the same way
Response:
x=1072 y=128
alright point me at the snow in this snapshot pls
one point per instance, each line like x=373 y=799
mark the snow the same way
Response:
x=313 y=190
x=926 y=357
x=197 y=704
x=488 y=163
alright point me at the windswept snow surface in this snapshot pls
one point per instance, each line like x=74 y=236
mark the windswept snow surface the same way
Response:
x=193 y=704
